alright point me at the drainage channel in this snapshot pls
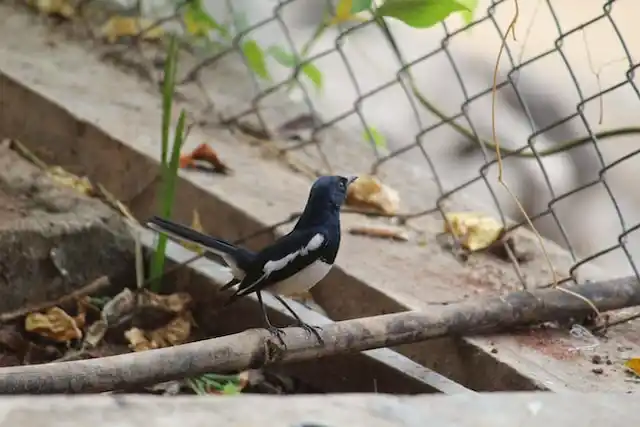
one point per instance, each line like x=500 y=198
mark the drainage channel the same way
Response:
x=380 y=370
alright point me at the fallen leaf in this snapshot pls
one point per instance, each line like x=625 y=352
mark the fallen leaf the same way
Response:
x=633 y=365
x=61 y=8
x=128 y=26
x=196 y=225
x=95 y=333
x=80 y=184
x=119 y=306
x=175 y=332
x=138 y=341
x=476 y=231
x=368 y=192
x=204 y=153
x=175 y=303
x=54 y=324
x=380 y=231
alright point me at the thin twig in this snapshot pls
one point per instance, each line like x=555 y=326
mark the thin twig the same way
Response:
x=95 y=286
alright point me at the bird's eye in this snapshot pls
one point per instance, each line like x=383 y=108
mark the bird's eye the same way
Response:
x=342 y=184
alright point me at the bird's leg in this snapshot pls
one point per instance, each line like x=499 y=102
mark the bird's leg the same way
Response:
x=311 y=329
x=273 y=330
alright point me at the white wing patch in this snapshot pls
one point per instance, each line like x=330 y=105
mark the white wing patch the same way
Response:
x=278 y=264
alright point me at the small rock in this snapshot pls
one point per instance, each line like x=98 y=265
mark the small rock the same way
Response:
x=608 y=362
x=494 y=350
x=596 y=359
x=597 y=371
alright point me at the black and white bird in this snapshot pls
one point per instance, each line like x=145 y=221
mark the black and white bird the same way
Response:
x=291 y=265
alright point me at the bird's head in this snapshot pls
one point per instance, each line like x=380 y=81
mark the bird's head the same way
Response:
x=330 y=190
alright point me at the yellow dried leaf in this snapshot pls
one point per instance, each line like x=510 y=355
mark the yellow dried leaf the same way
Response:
x=633 y=364
x=368 y=192
x=196 y=225
x=175 y=332
x=127 y=26
x=61 y=176
x=380 y=231
x=53 y=7
x=138 y=341
x=475 y=230
x=174 y=303
x=54 y=324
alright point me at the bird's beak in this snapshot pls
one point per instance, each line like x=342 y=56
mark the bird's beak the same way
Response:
x=351 y=178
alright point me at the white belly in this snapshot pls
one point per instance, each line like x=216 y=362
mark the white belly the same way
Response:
x=303 y=280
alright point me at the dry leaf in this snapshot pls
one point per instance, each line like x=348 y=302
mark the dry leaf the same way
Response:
x=128 y=26
x=138 y=341
x=476 y=231
x=633 y=365
x=175 y=332
x=196 y=225
x=119 y=306
x=175 y=303
x=61 y=176
x=368 y=192
x=380 y=231
x=95 y=333
x=204 y=153
x=61 y=8
x=54 y=324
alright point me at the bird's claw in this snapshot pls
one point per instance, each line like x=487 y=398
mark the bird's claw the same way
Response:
x=312 y=330
x=277 y=333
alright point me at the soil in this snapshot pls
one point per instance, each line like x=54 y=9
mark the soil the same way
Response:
x=11 y=207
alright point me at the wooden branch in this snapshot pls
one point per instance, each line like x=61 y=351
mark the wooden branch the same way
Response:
x=255 y=347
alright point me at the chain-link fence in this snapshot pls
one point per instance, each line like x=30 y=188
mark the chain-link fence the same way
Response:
x=416 y=105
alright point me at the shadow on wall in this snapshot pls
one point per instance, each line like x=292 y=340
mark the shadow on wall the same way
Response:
x=562 y=65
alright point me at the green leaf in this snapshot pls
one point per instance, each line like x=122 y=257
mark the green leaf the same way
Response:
x=287 y=59
x=166 y=195
x=255 y=57
x=467 y=15
x=376 y=137
x=168 y=83
x=360 y=5
x=419 y=13
x=199 y=22
x=230 y=388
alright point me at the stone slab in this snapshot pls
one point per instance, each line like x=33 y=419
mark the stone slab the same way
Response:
x=337 y=410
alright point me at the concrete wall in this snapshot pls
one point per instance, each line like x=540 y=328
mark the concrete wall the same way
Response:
x=589 y=218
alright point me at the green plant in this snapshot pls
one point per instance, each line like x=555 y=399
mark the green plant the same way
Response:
x=168 y=164
x=217 y=384
x=372 y=135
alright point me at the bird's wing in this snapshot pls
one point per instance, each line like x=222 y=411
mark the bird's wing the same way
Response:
x=286 y=257
x=234 y=256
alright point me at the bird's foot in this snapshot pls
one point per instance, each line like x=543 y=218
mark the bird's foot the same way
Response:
x=277 y=333
x=313 y=330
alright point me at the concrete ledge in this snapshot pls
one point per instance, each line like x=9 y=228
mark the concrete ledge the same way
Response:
x=381 y=370
x=370 y=410
x=91 y=118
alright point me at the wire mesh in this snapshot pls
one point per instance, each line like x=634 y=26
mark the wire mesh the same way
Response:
x=423 y=97
x=584 y=168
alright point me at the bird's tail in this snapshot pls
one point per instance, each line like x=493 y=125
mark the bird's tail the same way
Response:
x=183 y=233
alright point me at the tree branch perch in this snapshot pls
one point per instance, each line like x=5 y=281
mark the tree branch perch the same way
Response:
x=255 y=347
